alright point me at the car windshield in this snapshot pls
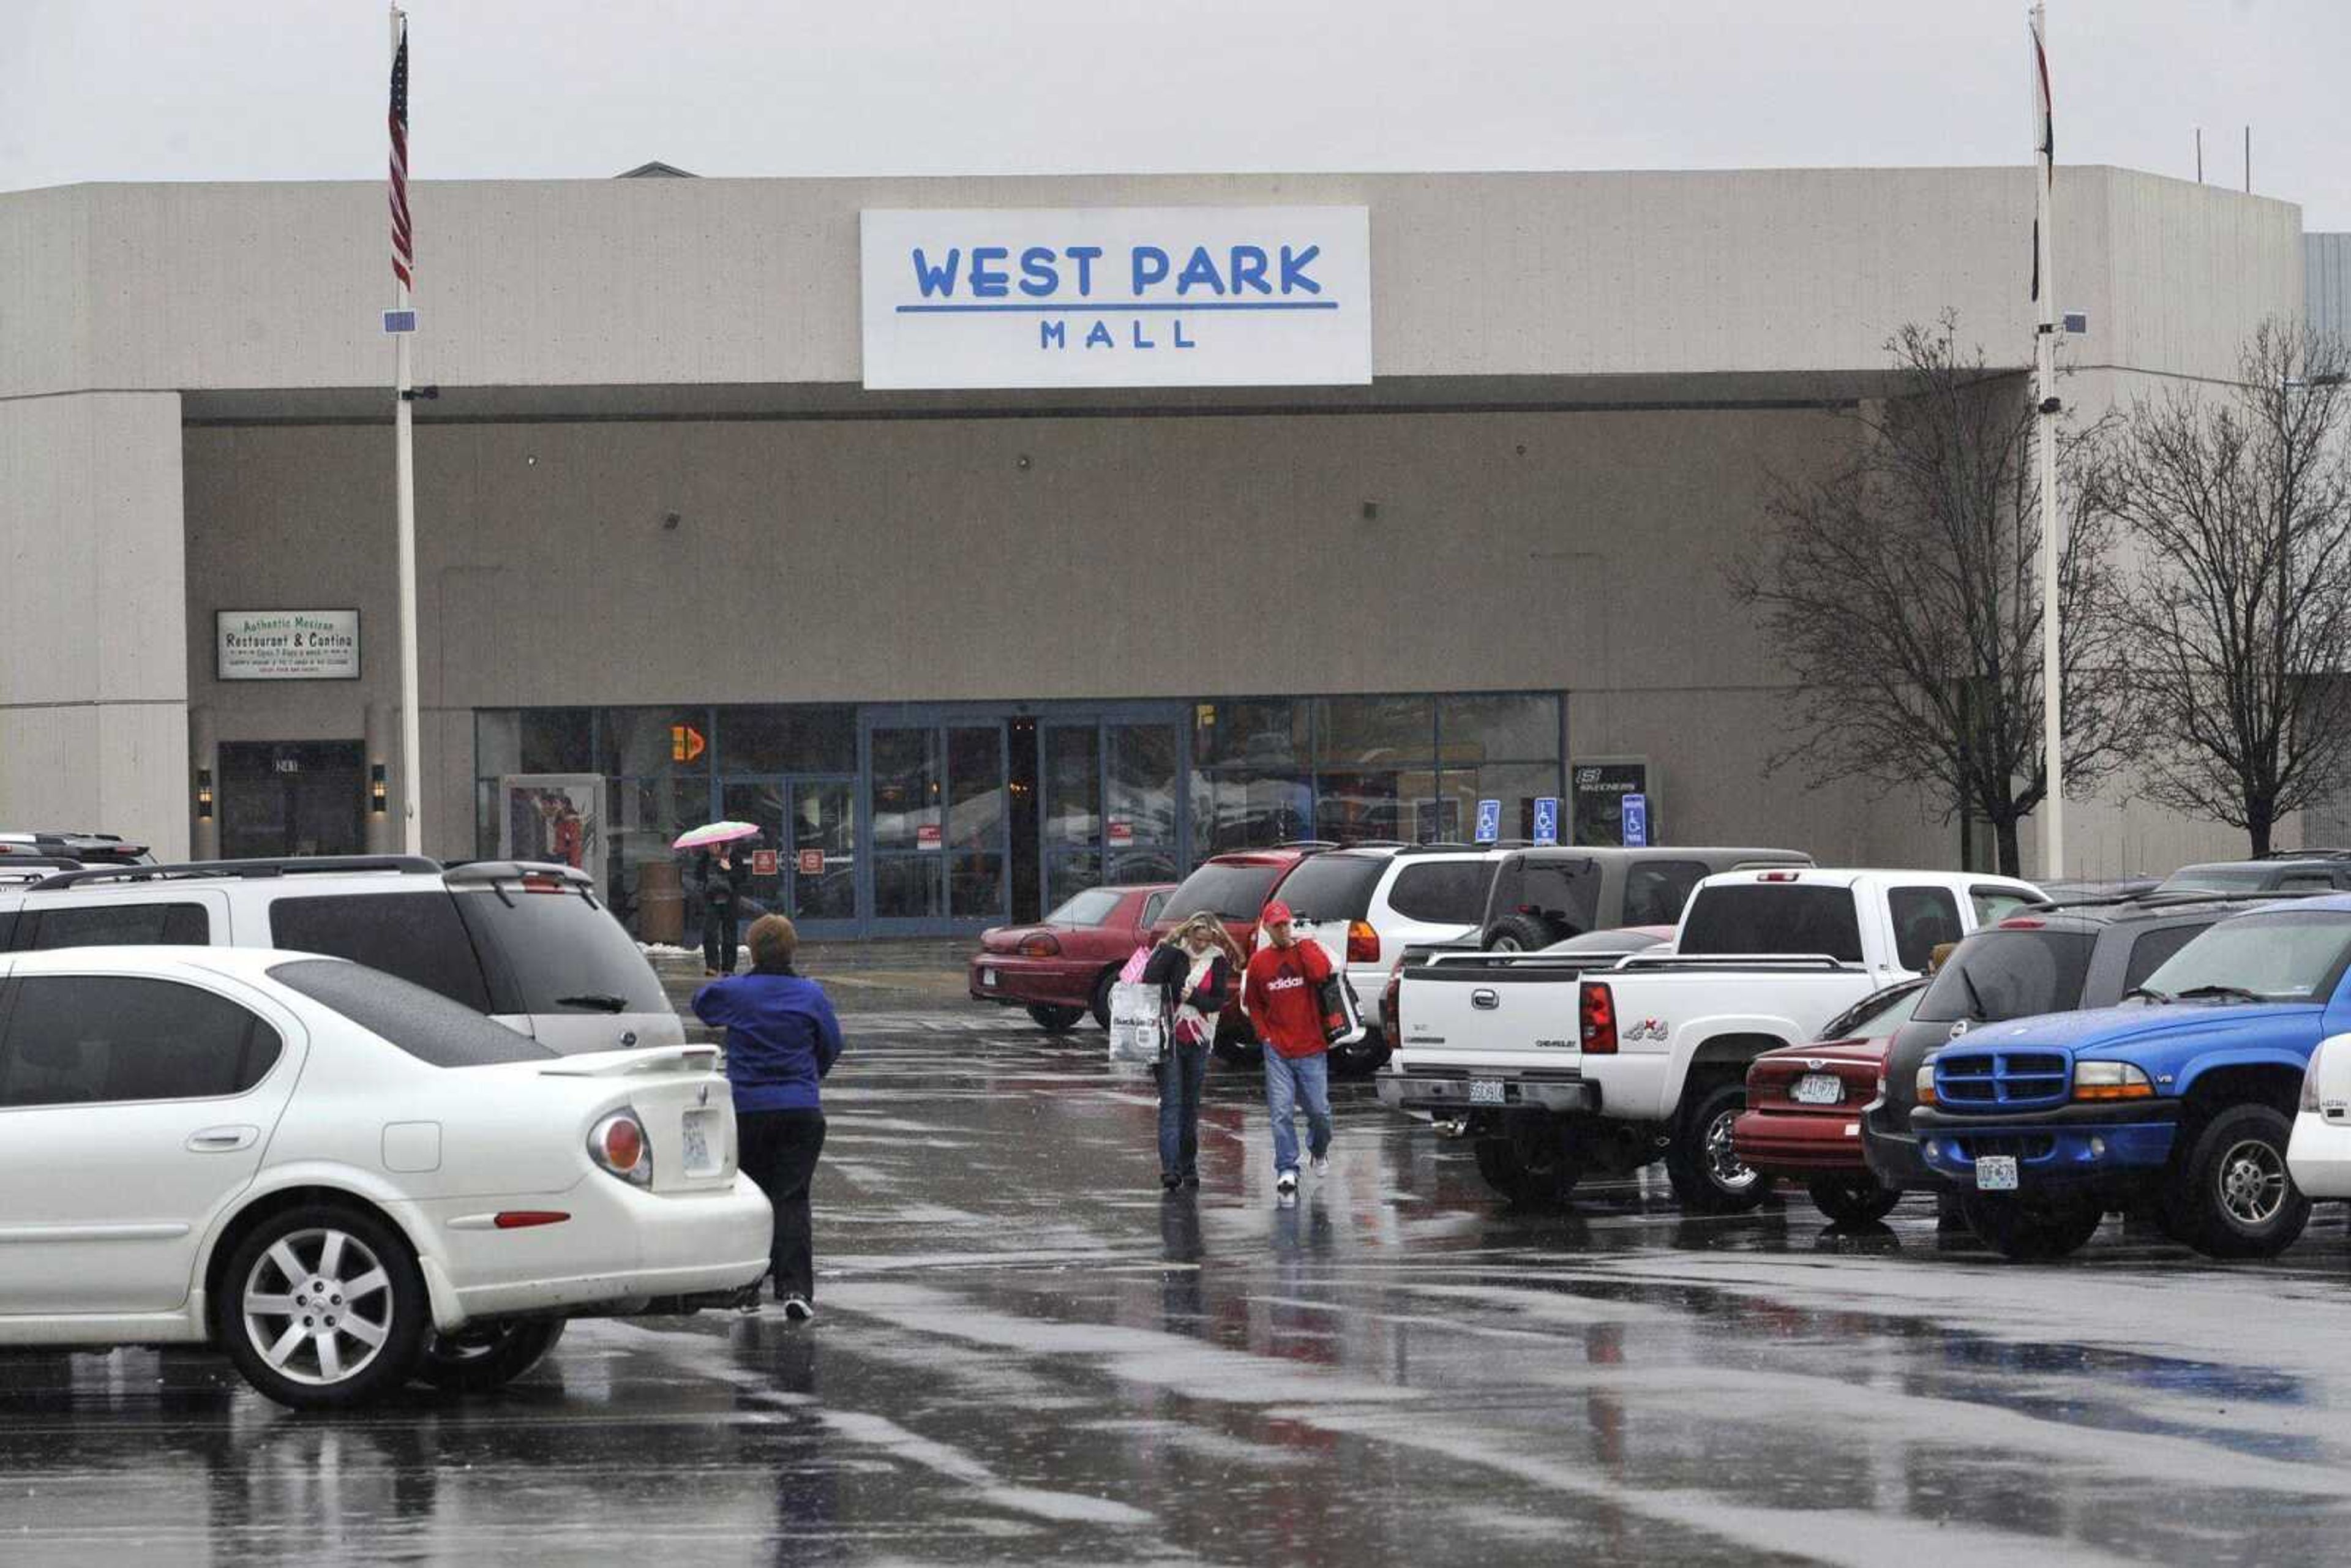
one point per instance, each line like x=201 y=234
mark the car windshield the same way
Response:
x=1091 y=907
x=1233 y=891
x=1333 y=887
x=2294 y=956
x=2010 y=974
x=568 y=954
x=1771 y=917
x=2217 y=879
x=1874 y=1016
x=425 y=1024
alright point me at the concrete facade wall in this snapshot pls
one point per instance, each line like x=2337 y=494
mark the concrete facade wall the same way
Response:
x=94 y=680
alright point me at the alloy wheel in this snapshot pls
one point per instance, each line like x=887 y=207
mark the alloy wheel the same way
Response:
x=2252 y=1182
x=318 y=1306
x=1722 y=1162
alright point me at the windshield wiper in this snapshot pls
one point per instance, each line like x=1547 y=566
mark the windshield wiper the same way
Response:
x=602 y=1002
x=1974 y=997
x=2149 y=992
x=2237 y=992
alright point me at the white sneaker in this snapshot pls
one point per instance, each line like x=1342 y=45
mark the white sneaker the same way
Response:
x=1286 y=1183
x=1321 y=1164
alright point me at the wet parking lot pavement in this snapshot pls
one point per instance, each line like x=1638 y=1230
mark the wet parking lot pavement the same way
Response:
x=1025 y=1353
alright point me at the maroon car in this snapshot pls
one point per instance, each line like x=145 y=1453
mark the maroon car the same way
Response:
x=1061 y=967
x=1803 y=1107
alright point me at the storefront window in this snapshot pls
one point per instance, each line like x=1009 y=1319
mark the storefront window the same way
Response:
x=1509 y=727
x=1143 y=768
x=533 y=740
x=975 y=829
x=772 y=739
x=642 y=742
x=1515 y=784
x=1375 y=732
x=1251 y=733
x=1242 y=809
x=906 y=786
x=1072 y=786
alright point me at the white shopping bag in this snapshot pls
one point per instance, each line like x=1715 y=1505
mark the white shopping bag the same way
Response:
x=1138 y=1023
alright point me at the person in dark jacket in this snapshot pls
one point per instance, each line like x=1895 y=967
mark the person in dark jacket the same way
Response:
x=782 y=1039
x=722 y=885
x=1194 y=969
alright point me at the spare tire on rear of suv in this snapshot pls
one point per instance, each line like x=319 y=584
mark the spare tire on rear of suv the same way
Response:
x=1521 y=934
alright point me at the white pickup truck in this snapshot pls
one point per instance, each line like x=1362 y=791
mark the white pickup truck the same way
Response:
x=1556 y=1065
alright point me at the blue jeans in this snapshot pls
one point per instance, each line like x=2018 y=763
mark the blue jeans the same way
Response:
x=1180 y=1077
x=1288 y=1080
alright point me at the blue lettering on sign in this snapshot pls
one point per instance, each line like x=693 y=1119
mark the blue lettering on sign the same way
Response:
x=990 y=282
x=1200 y=272
x=1100 y=336
x=1249 y=269
x=1038 y=279
x=937 y=280
x=1052 y=334
x=1150 y=267
x=1140 y=341
x=1636 y=819
x=1547 y=819
x=1085 y=255
x=1293 y=269
x=1181 y=340
x=1489 y=821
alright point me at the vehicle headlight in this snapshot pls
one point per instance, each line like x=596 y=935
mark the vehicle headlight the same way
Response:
x=1925 y=1084
x=2110 y=1080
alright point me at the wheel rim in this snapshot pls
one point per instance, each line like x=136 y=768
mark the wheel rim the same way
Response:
x=1507 y=944
x=2252 y=1182
x=318 y=1307
x=1723 y=1166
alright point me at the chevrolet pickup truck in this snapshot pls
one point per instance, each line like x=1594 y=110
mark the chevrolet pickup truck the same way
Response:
x=1556 y=1065
x=2182 y=1100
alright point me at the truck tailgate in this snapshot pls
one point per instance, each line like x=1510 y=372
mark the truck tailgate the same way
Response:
x=1519 y=1009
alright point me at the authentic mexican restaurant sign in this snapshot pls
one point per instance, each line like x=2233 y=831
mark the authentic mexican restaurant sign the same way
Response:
x=1124 y=297
x=286 y=645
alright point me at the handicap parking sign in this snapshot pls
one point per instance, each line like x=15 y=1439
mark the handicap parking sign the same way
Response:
x=1636 y=819
x=1546 y=819
x=1489 y=821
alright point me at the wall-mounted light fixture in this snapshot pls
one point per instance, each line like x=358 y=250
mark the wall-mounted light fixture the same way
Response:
x=379 y=794
x=203 y=794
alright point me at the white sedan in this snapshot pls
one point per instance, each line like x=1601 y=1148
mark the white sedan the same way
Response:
x=2319 y=1154
x=342 y=1178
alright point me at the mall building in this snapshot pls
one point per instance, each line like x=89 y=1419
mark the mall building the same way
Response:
x=979 y=539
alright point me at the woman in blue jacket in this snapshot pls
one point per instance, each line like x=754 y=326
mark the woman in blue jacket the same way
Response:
x=782 y=1039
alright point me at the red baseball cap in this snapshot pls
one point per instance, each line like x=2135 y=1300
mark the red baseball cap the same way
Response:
x=1276 y=914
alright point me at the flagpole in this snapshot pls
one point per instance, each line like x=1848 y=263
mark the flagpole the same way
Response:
x=404 y=470
x=2053 y=702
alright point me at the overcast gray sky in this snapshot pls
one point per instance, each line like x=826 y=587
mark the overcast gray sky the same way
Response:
x=285 y=89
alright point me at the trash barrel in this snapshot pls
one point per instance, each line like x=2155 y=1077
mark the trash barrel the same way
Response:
x=661 y=902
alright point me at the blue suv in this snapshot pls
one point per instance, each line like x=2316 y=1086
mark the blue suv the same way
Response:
x=2182 y=1099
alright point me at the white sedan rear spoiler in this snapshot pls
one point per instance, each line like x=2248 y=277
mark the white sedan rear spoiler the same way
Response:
x=659 y=1059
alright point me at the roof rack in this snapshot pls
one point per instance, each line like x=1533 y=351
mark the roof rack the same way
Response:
x=2167 y=897
x=189 y=871
x=1306 y=844
x=1434 y=846
x=2314 y=854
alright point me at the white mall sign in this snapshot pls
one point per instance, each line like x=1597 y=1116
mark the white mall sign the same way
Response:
x=286 y=645
x=1128 y=297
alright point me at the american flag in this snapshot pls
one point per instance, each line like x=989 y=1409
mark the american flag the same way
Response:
x=403 y=243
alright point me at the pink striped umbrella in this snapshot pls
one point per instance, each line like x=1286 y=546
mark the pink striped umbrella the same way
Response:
x=710 y=833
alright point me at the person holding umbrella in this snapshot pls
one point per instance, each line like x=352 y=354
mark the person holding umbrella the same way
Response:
x=721 y=876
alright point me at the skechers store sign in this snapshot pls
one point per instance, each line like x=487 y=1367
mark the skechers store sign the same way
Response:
x=1141 y=296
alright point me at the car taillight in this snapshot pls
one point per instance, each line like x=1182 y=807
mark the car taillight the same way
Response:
x=1775 y=876
x=2110 y=1080
x=2022 y=924
x=1599 y=1009
x=542 y=885
x=1363 y=942
x=617 y=1145
x=1391 y=1006
x=2309 y=1101
x=1040 y=944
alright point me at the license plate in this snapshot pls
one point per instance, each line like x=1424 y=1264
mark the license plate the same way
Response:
x=1486 y=1091
x=1818 y=1089
x=697 y=1142
x=988 y=977
x=1996 y=1173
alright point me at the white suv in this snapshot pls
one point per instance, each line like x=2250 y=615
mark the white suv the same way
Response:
x=527 y=945
x=1367 y=903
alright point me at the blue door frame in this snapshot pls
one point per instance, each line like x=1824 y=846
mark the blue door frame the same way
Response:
x=942 y=716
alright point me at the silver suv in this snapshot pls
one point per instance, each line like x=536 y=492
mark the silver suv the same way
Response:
x=528 y=944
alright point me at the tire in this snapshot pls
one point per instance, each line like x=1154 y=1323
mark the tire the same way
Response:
x=1361 y=1058
x=1851 y=1199
x=1707 y=1175
x=476 y=1360
x=1101 y=1007
x=2032 y=1230
x=1053 y=1020
x=2231 y=1195
x=1519 y=934
x=367 y=1273
x=1530 y=1171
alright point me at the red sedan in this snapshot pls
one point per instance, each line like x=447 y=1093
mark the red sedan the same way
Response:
x=1061 y=967
x=1803 y=1107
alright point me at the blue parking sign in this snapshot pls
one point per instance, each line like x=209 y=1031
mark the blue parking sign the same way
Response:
x=1489 y=821
x=1546 y=819
x=1636 y=819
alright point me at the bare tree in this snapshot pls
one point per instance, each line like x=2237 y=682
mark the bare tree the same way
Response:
x=2235 y=618
x=1904 y=589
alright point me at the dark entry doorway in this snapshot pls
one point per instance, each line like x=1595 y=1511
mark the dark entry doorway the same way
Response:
x=292 y=798
x=1022 y=783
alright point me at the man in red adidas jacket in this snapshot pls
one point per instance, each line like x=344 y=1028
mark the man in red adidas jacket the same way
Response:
x=1278 y=993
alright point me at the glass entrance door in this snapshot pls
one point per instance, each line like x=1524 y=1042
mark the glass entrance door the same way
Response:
x=938 y=793
x=804 y=862
x=1109 y=803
